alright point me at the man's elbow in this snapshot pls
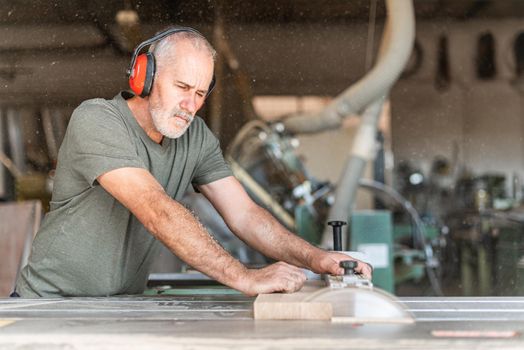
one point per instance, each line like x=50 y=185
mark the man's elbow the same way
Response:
x=155 y=214
x=246 y=220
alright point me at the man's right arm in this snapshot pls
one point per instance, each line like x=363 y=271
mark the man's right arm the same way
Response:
x=172 y=224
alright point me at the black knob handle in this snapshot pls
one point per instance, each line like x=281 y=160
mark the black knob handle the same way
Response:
x=349 y=266
x=337 y=234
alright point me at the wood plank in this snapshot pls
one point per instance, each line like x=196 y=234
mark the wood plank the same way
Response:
x=19 y=222
x=4 y=323
x=292 y=306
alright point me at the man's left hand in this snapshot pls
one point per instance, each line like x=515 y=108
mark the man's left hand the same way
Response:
x=328 y=262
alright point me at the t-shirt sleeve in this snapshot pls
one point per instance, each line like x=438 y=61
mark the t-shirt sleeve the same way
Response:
x=99 y=142
x=211 y=166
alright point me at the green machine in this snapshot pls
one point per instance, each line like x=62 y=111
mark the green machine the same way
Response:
x=371 y=232
x=374 y=233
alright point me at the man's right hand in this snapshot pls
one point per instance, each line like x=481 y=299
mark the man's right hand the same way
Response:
x=278 y=277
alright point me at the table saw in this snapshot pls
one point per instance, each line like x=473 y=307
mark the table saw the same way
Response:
x=219 y=318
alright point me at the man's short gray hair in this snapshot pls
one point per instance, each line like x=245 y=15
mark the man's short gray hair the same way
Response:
x=165 y=49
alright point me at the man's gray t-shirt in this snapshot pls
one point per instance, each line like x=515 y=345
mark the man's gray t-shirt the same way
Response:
x=89 y=243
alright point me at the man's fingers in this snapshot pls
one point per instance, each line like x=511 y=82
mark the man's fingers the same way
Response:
x=291 y=270
x=279 y=277
x=299 y=275
x=294 y=284
x=287 y=284
x=294 y=280
x=364 y=269
x=335 y=269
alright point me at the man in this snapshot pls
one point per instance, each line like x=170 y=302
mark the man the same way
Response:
x=122 y=167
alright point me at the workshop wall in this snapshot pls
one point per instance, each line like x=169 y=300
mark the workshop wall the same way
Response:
x=477 y=121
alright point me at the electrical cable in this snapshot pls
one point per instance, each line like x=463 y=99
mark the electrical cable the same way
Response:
x=244 y=131
x=430 y=263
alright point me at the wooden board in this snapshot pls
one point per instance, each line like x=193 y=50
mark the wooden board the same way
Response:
x=19 y=222
x=291 y=306
x=6 y=322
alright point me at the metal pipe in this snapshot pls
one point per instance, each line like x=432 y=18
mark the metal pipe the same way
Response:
x=364 y=149
x=397 y=43
x=364 y=145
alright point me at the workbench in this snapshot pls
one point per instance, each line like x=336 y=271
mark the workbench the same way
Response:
x=225 y=321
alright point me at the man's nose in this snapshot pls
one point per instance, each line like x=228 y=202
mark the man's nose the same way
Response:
x=189 y=103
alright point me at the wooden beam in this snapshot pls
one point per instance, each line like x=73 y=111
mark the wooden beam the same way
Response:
x=291 y=306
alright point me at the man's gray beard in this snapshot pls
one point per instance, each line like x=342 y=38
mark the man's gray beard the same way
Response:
x=161 y=122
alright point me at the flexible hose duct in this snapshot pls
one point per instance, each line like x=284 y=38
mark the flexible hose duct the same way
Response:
x=396 y=46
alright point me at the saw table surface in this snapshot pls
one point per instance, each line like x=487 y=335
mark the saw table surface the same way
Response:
x=225 y=321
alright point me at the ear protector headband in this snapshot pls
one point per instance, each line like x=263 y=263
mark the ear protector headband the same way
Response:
x=142 y=69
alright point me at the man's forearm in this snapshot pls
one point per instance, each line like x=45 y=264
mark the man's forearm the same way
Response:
x=184 y=235
x=263 y=232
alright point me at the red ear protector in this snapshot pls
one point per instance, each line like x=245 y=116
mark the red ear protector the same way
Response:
x=141 y=72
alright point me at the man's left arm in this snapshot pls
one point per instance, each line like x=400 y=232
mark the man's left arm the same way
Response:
x=260 y=230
